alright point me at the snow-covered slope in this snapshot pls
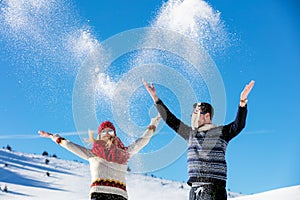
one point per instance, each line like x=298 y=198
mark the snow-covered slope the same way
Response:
x=25 y=176
x=289 y=193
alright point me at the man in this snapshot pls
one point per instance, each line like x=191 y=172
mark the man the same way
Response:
x=207 y=169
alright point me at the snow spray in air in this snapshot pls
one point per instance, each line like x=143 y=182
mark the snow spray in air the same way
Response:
x=173 y=56
x=45 y=41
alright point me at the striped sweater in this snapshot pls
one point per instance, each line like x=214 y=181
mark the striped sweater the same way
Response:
x=206 y=146
x=106 y=177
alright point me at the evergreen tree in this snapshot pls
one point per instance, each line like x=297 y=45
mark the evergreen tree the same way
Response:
x=45 y=153
x=8 y=148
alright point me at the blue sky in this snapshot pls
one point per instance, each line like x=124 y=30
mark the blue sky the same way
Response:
x=37 y=80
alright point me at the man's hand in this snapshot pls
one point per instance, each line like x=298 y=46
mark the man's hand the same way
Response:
x=151 y=90
x=245 y=93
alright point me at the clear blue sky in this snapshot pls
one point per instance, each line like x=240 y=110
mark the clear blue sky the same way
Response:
x=37 y=77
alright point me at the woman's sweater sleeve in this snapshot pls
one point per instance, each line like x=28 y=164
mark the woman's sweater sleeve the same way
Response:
x=142 y=141
x=78 y=150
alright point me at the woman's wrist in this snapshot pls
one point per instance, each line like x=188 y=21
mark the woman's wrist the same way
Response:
x=152 y=127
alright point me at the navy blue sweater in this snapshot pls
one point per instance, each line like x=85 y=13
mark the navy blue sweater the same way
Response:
x=206 y=149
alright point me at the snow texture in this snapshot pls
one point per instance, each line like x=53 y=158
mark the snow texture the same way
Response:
x=25 y=176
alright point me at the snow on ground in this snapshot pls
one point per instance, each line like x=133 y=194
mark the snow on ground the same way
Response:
x=25 y=176
x=289 y=193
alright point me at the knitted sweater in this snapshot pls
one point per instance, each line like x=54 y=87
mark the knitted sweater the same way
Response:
x=106 y=177
x=206 y=146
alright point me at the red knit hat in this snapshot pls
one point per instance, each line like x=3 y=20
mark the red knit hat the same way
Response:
x=106 y=124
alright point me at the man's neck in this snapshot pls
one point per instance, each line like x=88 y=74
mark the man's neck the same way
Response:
x=206 y=127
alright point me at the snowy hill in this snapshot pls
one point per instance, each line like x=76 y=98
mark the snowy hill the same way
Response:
x=27 y=176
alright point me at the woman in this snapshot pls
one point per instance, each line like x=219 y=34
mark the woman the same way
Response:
x=108 y=159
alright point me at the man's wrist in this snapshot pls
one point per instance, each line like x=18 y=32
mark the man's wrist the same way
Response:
x=243 y=102
x=155 y=98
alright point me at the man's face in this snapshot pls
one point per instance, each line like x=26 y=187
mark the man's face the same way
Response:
x=201 y=120
x=199 y=117
x=204 y=118
x=107 y=134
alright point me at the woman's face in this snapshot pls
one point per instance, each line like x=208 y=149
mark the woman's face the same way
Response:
x=107 y=134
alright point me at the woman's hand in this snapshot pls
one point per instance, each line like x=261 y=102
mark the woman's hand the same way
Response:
x=155 y=120
x=45 y=134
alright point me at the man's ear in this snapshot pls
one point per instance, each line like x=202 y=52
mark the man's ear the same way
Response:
x=207 y=116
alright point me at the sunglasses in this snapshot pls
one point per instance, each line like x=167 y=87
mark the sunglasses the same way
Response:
x=110 y=132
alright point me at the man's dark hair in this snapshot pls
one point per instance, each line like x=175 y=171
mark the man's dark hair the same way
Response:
x=206 y=108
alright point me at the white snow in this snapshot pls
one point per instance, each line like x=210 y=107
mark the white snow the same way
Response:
x=25 y=177
x=288 y=193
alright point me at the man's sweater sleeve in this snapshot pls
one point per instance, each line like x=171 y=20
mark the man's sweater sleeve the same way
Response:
x=234 y=128
x=172 y=121
x=78 y=150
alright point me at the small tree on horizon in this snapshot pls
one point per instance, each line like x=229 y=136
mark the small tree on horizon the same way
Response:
x=8 y=148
